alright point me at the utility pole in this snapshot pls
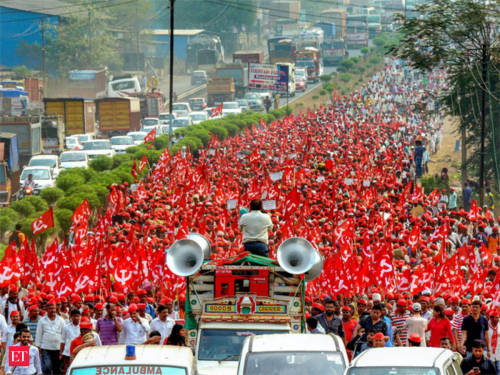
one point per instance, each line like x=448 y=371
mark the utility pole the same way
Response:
x=171 y=75
x=44 y=63
x=484 y=86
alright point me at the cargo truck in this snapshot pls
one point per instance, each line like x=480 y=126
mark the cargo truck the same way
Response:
x=52 y=134
x=28 y=132
x=89 y=83
x=118 y=115
x=219 y=90
x=228 y=300
x=337 y=17
x=78 y=114
x=309 y=59
x=9 y=168
x=281 y=49
x=239 y=73
x=248 y=57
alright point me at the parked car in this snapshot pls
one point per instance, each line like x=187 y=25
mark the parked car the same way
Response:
x=121 y=142
x=150 y=121
x=72 y=143
x=98 y=147
x=197 y=104
x=181 y=109
x=51 y=161
x=181 y=122
x=300 y=73
x=229 y=108
x=199 y=77
x=42 y=176
x=405 y=360
x=254 y=101
x=138 y=137
x=243 y=103
x=197 y=117
x=164 y=118
x=74 y=159
x=300 y=84
x=83 y=137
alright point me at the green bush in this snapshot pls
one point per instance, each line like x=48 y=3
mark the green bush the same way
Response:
x=101 y=192
x=87 y=189
x=315 y=97
x=70 y=202
x=345 y=77
x=325 y=78
x=202 y=134
x=347 y=64
x=118 y=159
x=67 y=181
x=355 y=60
x=375 y=60
x=323 y=92
x=330 y=87
x=23 y=207
x=364 y=50
x=63 y=216
x=51 y=194
x=341 y=69
x=231 y=128
x=37 y=202
x=430 y=183
x=10 y=213
x=161 y=142
x=192 y=142
x=6 y=225
x=218 y=131
x=101 y=163
x=379 y=41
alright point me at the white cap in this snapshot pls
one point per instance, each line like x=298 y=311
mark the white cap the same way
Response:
x=376 y=297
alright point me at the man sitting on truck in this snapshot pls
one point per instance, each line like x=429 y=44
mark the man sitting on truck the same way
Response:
x=254 y=226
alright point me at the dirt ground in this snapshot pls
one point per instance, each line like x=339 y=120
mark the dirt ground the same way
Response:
x=446 y=156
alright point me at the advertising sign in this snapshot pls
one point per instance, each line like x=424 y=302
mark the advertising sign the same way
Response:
x=263 y=76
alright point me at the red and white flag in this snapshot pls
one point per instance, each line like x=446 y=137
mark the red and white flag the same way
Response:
x=44 y=222
x=143 y=163
x=217 y=111
x=151 y=136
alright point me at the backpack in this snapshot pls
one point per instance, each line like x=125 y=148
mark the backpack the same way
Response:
x=14 y=237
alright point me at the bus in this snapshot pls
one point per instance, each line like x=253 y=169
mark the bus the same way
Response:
x=281 y=49
x=357 y=31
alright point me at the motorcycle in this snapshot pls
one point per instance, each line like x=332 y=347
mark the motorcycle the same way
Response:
x=26 y=191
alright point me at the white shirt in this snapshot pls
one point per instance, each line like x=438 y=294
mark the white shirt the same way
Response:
x=34 y=367
x=8 y=335
x=494 y=356
x=69 y=333
x=12 y=307
x=134 y=333
x=254 y=226
x=164 y=327
x=3 y=325
x=49 y=332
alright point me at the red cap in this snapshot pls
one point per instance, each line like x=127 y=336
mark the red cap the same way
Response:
x=141 y=306
x=52 y=302
x=318 y=306
x=401 y=302
x=75 y=299
x=449 y=312
x=98 y=306
x=466 y=301
x=132 y=308
x=454 y=299
x=346 y=308
x=89 y=298
x=494 y=313
x=113 y=299
x=379 y=336
x=414 y=338
x=362 y=302
x=141 y=292
x=85 y=325
x=14 y=312
x=32 y=307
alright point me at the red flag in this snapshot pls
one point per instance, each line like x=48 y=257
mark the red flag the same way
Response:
x=151 y=136
x=44 y=222
x=133 y=172
x=217 y=111
x=143 y=163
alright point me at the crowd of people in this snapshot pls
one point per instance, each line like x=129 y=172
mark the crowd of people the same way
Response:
x=400 y=268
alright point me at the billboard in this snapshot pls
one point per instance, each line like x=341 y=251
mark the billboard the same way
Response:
x=263 y=76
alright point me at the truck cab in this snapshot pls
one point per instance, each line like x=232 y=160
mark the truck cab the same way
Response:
x=52 y=134
x=228 y=300
x=9 y=168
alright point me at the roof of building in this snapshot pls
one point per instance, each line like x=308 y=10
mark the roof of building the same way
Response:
x=50 y=7
x=180 y=32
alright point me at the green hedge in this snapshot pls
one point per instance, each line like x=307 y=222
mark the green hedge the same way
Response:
x=76 y=184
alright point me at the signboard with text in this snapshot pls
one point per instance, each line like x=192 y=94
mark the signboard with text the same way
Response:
x=263 y=76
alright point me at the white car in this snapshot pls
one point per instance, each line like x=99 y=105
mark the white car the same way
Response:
x=164 y=118
x=181 y=109
x=197 y=117
x=138 y=137
x=150 y=121
x=229 y=108
x=83 y=137
x=98 y=147
x=121 y=143
x=51 y=161
x=74 y=159
x=181 y=122
x=73 y=143
x=405 y=360
x=42 y=176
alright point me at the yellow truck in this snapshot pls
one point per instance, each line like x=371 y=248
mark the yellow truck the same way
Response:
x=219 y=90
x=118 y=115
x=78 y=114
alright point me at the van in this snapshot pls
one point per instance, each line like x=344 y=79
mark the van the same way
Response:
x=293 y=353
x=148 y=360
x=199 y=77
x=405 y=360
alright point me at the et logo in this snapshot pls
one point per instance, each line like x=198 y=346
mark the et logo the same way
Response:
x=19 y=356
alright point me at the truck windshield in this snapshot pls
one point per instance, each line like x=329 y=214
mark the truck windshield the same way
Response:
x=225 y=344
x=149 y=122
x=121 y=141
x=136 y=369
x=291 y=363
x=392 y=371
x=96 y=145
x=72 y=156
x=43 y=163
x=123 y=85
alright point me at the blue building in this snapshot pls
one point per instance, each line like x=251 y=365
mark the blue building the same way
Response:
x=27 y=22
x=157 y=44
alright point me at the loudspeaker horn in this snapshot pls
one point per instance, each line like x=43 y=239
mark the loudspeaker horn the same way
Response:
x=185 y=256
x=298 y=256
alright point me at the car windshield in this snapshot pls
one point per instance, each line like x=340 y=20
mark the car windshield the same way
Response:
x=294 y=363
x=138 y=136
x=70 y=141
x=72 y=156
x=179 y=107
x=38 y=174
x=121 y=141
x=83 y=138
x=300 y=73
x=165 y=117
x=230 y=106
x=96 y=145
x=181 y=122
x=198 y=117
x=135 y=369
x=251 y=96
x=149 y=122
x=392 y=371
x=43 y=163
x=225 y=344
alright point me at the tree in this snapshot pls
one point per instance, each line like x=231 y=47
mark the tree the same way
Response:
x=462 y=37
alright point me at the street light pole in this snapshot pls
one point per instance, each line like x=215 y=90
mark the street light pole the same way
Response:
x=171 y=83
x=484 y=75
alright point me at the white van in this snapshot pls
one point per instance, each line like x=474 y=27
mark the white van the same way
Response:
x=294 y=353
x=149 y=360
x=123 y=87
x=405 y=361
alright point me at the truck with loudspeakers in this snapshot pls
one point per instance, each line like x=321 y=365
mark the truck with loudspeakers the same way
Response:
x=230 y=299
